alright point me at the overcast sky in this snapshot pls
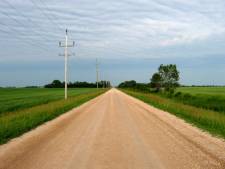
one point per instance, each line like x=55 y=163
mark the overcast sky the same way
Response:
x=130 y=38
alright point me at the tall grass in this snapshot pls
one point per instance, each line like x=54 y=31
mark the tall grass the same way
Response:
x=210 y=102
x=211 y=121
x=212 y=98
x=16 y=123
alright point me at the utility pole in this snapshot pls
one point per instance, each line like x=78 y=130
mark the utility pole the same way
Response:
x=97 y=72
x=66 y=45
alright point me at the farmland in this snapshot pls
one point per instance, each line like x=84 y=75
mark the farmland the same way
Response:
x=212 y=98
x=13 y=99
x=24 y=109
x=213 y=91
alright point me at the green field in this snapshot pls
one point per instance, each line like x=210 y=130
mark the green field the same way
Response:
x=213 y=91
x=25 y=109
x=13 y=99
x=212 y=98
x=209 y=120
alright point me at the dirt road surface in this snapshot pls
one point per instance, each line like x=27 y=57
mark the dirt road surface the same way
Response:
x=114 y=131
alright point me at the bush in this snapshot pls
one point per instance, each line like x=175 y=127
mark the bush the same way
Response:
x=178 y=94
x=187 y=96
x=128 y=84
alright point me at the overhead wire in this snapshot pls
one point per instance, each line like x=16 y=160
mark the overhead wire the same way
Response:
x=24 y=27
x=117 y=50
x=46 y=15
x=28 y=41
x=55 y=18
x=28 y=18
x=16 y=30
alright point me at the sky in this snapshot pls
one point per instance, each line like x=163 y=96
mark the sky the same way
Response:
x=130 y=38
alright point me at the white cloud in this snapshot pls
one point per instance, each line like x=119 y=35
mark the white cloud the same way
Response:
x=103 y=26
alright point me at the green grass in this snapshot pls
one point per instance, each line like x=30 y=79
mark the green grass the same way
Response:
x=15 y=123
x=211 y=121
x=22 y=98
x=213 y=91
x=212 y=98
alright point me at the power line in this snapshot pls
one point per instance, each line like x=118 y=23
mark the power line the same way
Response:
x=13 y=29
x=55 y=18
x=44 y=14
x=21 y=24
x=29 y=41
x=114 y=50
x=29 y=19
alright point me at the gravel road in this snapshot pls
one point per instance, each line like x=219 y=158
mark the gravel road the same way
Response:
x=114 y=131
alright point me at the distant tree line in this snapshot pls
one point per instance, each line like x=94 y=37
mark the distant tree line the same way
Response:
x=59 y=84
x=166 y=79
x=134 y=85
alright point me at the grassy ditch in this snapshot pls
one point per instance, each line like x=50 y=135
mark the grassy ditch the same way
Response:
x=18 y=122
x=209 y=120
x=212 y=98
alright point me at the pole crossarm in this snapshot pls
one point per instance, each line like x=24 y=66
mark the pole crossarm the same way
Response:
x=62 y=44
x=69 y=54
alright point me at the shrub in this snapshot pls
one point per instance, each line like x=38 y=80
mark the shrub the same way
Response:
x=178 y=94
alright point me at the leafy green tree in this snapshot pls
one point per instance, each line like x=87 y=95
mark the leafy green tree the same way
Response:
x=128 y=84
x=156 y=81
x=57 y=84
x=169 y=76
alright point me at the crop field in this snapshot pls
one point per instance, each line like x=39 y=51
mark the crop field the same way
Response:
x=24 y=109
x=213 y=91
x=212 y=98
x=13 y=99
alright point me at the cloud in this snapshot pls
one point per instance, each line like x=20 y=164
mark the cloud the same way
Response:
x=109 y=28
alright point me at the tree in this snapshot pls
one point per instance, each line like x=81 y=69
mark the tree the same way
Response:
x=57 y=84
x=169 y=76
x=128 y=84
x=156 y=81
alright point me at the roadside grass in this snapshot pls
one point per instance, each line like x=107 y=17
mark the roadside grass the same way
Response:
x=212 y=98
x=14 y=99
x=211 y=121
x=215 y=103
x=16 y=123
